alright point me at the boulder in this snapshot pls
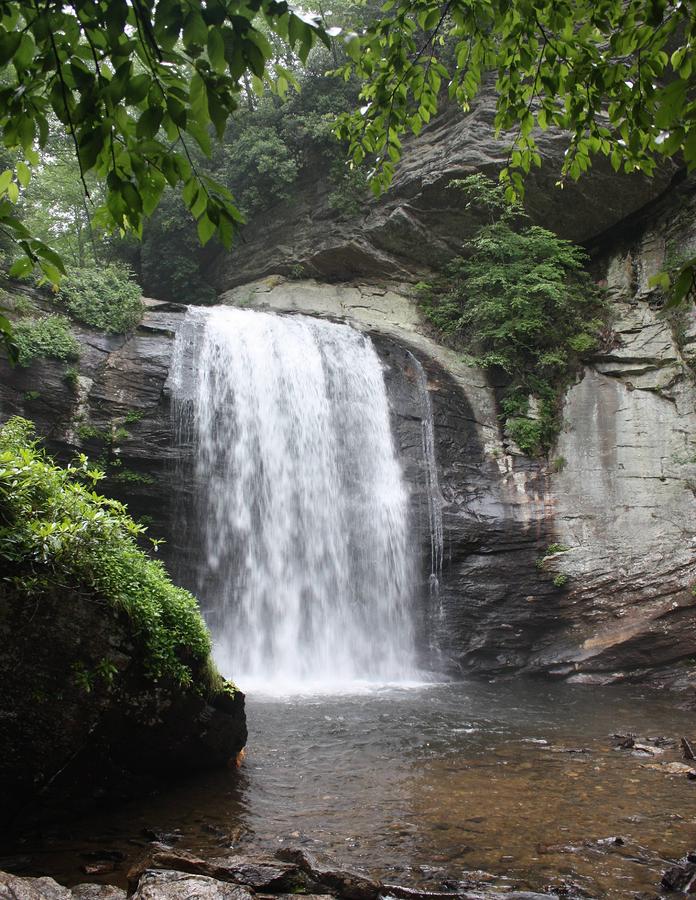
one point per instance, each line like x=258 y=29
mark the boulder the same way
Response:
x=347 y=884
x=164 y=884
x=65 y=743
x=259 y=873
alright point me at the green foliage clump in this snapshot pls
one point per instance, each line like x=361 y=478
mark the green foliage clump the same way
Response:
x=54 y=526
x=519 y=301
x=559 y=464
x=91 y=433
x=106 y=297
x=557 y=548
x=70 y=377
x=49 y=336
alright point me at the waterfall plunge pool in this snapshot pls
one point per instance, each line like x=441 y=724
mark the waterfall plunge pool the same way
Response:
x=305 y=563
x=435 y=786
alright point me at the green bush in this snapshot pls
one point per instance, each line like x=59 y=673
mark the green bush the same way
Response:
x=54 y=526
x=50 y=336
x=520 y=302
x=556 y=548
x=106 y=298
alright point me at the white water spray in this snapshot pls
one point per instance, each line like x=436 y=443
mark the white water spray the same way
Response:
x=303 y=513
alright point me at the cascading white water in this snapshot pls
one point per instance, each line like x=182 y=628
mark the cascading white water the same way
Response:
x=432 y=481
x=302 y=507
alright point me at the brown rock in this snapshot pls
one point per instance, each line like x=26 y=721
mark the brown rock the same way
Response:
x=258 y=873
x=347 y=884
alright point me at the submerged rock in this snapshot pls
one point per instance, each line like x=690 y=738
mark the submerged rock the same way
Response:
x=351 y=885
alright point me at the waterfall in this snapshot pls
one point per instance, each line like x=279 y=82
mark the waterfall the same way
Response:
x=435 y=503
x=301 y=508
x=432 y=481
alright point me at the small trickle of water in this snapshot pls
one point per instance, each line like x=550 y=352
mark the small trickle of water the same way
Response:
x=432 y=485
x=302 y=511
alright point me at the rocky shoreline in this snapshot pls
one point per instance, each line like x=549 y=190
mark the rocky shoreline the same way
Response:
x=166 y=874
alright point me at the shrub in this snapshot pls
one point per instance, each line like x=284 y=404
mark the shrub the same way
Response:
x=50 y=336
x=106 y=298
x=557 y=548
x=54 y=526
x=71 y=376
x=520 y=301
x=559 y=464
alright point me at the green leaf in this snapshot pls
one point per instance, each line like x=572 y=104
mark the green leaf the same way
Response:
x=218 y=115
x=206 y=229
x=199 y=98
x=49 y=255
x=255 y=58
x=683 y=285
x=149 y=122
x=195 y=30
x=25 y=52
x=200 y=204
x=216 y=50
x=23 y=266
x=137 y=88
x=177 y=111
x=8 y=340
x=9 y=44
x=51 y=272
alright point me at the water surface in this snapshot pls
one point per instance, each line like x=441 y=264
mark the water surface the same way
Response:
x=436 y=785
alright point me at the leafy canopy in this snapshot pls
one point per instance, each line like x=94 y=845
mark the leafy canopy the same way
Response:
x=618 y=75
x=520 y=302
x=135 y=86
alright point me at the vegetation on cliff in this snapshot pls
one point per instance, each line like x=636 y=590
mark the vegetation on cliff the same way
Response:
x=48 y=336
x=520 y=302
x=55 y=528
x=616 y=77
x=106 y=297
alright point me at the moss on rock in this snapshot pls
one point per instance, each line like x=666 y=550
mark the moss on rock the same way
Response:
x=106 y=678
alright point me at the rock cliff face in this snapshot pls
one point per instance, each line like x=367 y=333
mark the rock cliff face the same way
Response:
x=71 y=731
x=420 y=222
x=580 y=566
x=615 y=501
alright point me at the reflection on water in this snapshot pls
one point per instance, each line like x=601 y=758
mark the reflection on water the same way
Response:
x=428 y=785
